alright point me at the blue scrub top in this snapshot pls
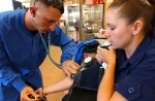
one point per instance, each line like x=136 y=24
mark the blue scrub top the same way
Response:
x=135 y=77
x=21 y=53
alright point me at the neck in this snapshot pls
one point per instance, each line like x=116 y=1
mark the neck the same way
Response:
x=134 y=45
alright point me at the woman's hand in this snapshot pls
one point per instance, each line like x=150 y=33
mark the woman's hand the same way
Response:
x=105 y=55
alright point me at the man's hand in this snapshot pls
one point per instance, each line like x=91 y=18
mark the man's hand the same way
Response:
x=69 y=67
x=28 y=94
x=40 y=92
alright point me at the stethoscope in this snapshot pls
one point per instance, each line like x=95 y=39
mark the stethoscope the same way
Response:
x=47 y=47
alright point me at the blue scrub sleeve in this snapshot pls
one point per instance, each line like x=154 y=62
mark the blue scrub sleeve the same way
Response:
x=130 y=88
x=67 y=44
x=10 y=78
x=7 y=76
x=135 y=90
x=68 y=51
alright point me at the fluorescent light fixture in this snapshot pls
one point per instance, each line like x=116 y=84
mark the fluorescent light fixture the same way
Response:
x=6 y=5
x=24 y=1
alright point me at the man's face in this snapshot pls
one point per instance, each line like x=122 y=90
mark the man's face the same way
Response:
x=45 y=18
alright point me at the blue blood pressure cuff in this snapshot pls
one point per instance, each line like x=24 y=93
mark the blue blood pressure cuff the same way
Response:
x=88 y=45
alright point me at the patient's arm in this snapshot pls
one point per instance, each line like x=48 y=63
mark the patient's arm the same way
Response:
x=62 y=85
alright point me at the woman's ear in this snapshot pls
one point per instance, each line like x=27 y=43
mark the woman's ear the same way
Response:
x=137 y=27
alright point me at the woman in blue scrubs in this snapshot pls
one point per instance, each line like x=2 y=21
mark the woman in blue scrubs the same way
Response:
x=130 y=72
x=22 y=49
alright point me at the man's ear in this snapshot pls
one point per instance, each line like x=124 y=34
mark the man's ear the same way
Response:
x=137 y=27
x=33 y=11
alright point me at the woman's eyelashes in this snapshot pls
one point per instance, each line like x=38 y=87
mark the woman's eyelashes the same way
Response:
x=112 y=28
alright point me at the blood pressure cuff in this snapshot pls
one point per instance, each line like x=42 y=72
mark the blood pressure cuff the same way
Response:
x=135 y=90
x=89 y=45
x=85 y=84
x=90 y=77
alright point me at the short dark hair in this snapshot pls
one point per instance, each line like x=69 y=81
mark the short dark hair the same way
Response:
x=59 y=4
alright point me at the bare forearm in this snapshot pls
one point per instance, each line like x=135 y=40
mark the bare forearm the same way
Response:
x=63 y=85
x=106 y=88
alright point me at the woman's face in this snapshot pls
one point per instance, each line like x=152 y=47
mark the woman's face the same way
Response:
x=118 y=31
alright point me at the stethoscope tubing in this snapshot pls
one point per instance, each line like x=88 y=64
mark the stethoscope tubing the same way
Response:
x=47 y=48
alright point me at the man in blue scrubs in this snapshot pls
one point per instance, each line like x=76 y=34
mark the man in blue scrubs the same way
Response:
x=24 y=36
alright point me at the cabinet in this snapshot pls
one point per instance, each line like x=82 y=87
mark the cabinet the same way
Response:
x=91 y=20
x=83 y=20
x=72 y=18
